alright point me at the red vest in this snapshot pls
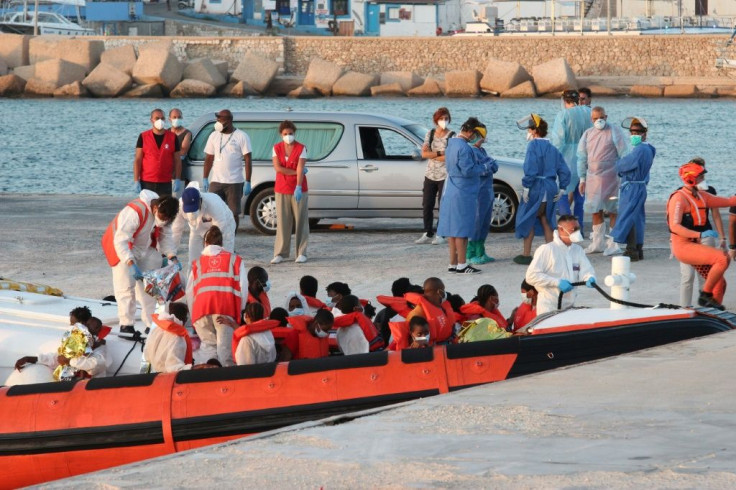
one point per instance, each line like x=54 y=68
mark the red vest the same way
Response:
x=287 y=337
x=310 y=346
x=176 y=329
x=474 y=310
x=263 y=300
x=251 y=328
x=285 y=184
x=315 y=303
x=216 y=284
x=158 y=163
x=441 y=320
x=375 y=341
x=108 y=238
x=524 y=314
x=396 y=303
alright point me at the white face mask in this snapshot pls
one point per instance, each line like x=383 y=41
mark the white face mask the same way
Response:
x=599 y=123
x=158 y=124
x=320 y=333
x=288 y=138
x=296 y=312
x=219 y=127
x=421 y=339
x=176 y=122
x=576 y=237
x=525 y=299
x=703 y=186
x=529 y=136
x=442 y=123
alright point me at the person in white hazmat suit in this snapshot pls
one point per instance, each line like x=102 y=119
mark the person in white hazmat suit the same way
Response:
x=200 y=211
x=558 y=264
x=598 y=150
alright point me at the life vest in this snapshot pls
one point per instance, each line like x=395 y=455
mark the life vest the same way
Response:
x=216 y=285
x=158 y=163
x=108 y=238
x=315 y=303
x=697 y=218
x=396 y=303
x=400 y=335
x=287 y=337
x=441 y=320
x=375 y=341
x=263 y=300
x=285 y=184
x=310 y=346
x=472 y=309
x=251 y=328
x=176 y=329
x=104 y=330
x=524 y=314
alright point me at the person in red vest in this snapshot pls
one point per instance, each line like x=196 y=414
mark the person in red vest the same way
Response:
x=527 y=310
x=258 y=287
x=356 y=333
x=434 y=307
x=292 y=201
x=157 y=158
x=419 y=332
x=308 y=287
x=168 y=346
x=253 y=342
x=484 y=305
x=134 y=242
x=312 y=333
x=217 y=286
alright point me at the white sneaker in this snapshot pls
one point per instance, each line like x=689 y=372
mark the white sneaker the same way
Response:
x=301 y=259
x=438 y=240
x=277 y=260
x=613 y=249
x=423 y=239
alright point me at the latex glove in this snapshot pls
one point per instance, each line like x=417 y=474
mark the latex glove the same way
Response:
x=135 y=271
x=246 y=188
x=177 y=185
x=525 y=194
x=205 y=184
x=564 y=285
x=581 y=188
x=175 y=261
x=560 y=193
x=298 y=194
x=306 y=170
x=709 y=234
x=137 y=187
x=590 y=282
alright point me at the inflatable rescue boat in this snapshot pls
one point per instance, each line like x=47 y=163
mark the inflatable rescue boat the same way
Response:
x=55 y=430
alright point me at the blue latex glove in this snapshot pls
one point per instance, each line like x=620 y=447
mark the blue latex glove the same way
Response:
x=306 y=170
x=135 y=271
x=246 y=188
x=560 y=193
x=709 y=234
x=564 y=285
x=590 y=282
x=205 y=184
x=138 y=187
x=298 y=194
x=177 y=185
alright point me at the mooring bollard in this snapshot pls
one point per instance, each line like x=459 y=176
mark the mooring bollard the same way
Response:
x=620 y=280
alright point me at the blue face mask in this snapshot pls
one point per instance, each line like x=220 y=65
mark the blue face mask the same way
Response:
x=267 y=286
x=473 y=140
x=296 y=312
x=635 y=139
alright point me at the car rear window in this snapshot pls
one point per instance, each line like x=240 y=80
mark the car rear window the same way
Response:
x=320 y=138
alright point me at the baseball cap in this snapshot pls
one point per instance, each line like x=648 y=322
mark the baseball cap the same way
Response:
x=190 y=200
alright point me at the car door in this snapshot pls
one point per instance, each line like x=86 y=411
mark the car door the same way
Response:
x=390 y=170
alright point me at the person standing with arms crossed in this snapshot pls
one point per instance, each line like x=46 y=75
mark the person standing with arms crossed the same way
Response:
x=226 y=150
x=157 y=158
x=183 y=135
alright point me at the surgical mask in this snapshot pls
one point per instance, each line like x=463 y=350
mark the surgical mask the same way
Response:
x=329 y=303
x=288 y=138
x=526 y=299
x=529 y=136
x=442 y=123
x=599 y=123
x=635 y=139
x=296 y=312
x=219 y=127
x=158 y=124
x=421 y=339
x=267 y=286
x=473 y=140
x=176 y=122
x=703 y=186
x=320 y=333
x=576 y=236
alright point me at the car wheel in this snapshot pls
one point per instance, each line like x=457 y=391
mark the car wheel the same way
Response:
x=505 y=206
x=263 y=211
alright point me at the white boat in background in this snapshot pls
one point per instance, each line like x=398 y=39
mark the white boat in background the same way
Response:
x=48 y=23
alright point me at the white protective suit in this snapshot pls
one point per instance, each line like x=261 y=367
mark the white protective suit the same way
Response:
x=127 y=289
x=213 y=211
x=95 y=364
x=256 y=348
x=164 y=350
x=554 y=261
x=597 y=153
x=217 y=339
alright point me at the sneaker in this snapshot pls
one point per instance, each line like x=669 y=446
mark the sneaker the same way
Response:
x=301 y=259
x=277 y=260
x=438 y=240
x=452 y=270
x=523 y=259
x=706 y=300
x=424 y=239
x=469 y=269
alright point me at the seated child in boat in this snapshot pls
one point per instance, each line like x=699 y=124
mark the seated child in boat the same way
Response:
x=253 y=342
x=419 y=332
x=168 y=347
x=527 y=310
x=356 y=334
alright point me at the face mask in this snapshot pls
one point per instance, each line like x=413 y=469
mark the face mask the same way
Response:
x=576 y=236
x=529 y=136
x=525 y=299
x=176 y=122
x=158 y=124
x=599 y=123
x=421 y=339
x=320 y=333
x=703 y=186
x=267 y=286
x=288 y=138
x=442 y=123
x=473 y=141
x=635 y=139
x=219 y=127
x=296 y=312
x=444 y=296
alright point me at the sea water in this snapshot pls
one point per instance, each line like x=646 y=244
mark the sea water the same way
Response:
x=87 y=146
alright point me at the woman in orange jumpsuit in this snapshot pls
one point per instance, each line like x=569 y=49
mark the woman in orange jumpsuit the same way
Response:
x=686 y=214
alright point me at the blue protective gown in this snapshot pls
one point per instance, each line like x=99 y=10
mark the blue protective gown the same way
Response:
x=485 y=195
x=545 y=173
x=460 y=197
x=634 y=172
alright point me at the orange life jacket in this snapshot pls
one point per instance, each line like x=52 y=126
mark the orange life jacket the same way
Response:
x=315 y=303
x=286 y=184
x=158 y=163
x=441 y=320
x=216 y=285
x=251 y=328
x=287 y=337
x=104 y=330
x=396 y=303
x=310 y=346
x=375 y=341
x=176 y=329
x=108 y=238
x=399 y=334
x=473 y=311
x=697 y=218
x=524 y=314
x=263 y=300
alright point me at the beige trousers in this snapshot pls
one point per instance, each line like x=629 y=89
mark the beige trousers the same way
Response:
x=287 y=209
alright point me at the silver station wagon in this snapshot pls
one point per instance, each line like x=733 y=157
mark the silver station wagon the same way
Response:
x=360 y=166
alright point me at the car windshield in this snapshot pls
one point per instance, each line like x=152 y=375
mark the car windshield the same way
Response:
x=417 y=130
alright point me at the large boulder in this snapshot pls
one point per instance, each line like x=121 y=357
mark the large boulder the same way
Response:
x=430 y=88
x=283 y=84
x=354 y=84
x=407 y=79
x=11 y=85
x=303 y=93
x=257 y=71
x=42 y=48
x=152 y=91
x=25 y=72
x=222 y=66
x=390 y=89
x=204 y=70
x=14 y=49
x=192 y=88
x=681 y=91
x=322 y=75
x=237 y=89
x=74 y=89
x=646 y=91
x=462 y=83
x=601 y=91
x=83 y=52
x=3 y=68
x=554 y=76
x=39 y=88
x=107 y=81
x=59 y=72
x=157 y=65
x=525 y=90
x=500 y=76
x=123 y=58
